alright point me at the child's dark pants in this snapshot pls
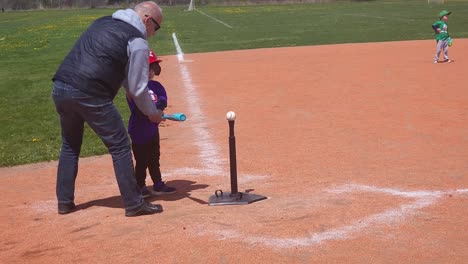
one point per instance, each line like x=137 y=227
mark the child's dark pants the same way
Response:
x=147 y=156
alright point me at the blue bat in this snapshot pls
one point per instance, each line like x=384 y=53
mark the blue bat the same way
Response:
x=175 y=117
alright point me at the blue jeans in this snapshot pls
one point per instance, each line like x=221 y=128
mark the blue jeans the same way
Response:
x=74 y=108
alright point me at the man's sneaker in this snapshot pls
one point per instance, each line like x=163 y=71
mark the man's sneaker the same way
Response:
x=145 y=192
x=161 y=188
x=447 y=61
x=436 y=62
x=66 y=208
x=145 y=209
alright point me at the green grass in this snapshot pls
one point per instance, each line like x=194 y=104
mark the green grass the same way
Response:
x=32 y=44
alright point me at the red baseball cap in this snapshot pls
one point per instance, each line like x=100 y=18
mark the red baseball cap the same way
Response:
x=153 y=58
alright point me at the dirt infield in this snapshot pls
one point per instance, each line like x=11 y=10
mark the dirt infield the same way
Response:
x=362 y=150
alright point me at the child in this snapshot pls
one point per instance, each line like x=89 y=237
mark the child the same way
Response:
x=145 y=135
x=442 y=37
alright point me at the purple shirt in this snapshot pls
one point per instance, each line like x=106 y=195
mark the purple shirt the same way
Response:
x=140 y=128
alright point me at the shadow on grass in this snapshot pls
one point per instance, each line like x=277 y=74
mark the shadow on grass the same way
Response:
x=183 y=187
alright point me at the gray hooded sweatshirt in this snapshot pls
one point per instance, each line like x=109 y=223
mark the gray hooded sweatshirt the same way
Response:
x=136 y=83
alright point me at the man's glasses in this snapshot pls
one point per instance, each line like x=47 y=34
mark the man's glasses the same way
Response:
x=156 y=24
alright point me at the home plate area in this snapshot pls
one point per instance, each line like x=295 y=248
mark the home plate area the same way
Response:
x=338 y=213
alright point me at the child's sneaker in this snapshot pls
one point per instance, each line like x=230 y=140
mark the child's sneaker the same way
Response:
x=145 y=192
x=161 y=188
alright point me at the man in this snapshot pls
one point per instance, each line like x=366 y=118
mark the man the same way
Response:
x=112 y=52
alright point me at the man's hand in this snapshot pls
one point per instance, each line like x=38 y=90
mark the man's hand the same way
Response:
x=158 y=117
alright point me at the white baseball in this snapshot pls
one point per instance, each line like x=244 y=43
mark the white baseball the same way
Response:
x=231 y=116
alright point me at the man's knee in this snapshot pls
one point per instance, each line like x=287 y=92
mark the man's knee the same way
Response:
x=121 y=147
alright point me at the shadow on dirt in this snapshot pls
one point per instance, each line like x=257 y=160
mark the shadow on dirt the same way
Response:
x=184 y=187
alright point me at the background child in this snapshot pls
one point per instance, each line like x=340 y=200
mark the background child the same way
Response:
x=145 y=135
x=441 y=34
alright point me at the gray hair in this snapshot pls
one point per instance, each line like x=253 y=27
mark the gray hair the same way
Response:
x=146 y=7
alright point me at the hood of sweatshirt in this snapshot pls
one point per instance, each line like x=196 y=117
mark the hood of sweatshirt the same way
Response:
x=129 y=16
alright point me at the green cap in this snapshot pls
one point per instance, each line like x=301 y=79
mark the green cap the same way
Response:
x=444 y=13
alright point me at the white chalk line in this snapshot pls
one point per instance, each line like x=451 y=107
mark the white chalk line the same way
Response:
x=43 y=206
x=217 y=20
x=180 y=54
x=391 y=191
x=392 y=216
x=209 y=153
x=191 y=171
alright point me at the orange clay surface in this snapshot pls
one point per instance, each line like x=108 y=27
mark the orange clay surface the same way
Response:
x=362 y=150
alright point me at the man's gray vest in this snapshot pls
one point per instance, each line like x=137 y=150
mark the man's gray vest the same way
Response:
x=96 y=65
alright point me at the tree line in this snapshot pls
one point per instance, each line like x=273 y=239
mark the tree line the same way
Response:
x=51 y=4
x=54 y=4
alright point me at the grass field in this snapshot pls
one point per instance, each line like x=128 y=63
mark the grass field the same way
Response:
x=33 y=43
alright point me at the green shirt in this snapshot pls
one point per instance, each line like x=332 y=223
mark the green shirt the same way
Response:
x=443 y=35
